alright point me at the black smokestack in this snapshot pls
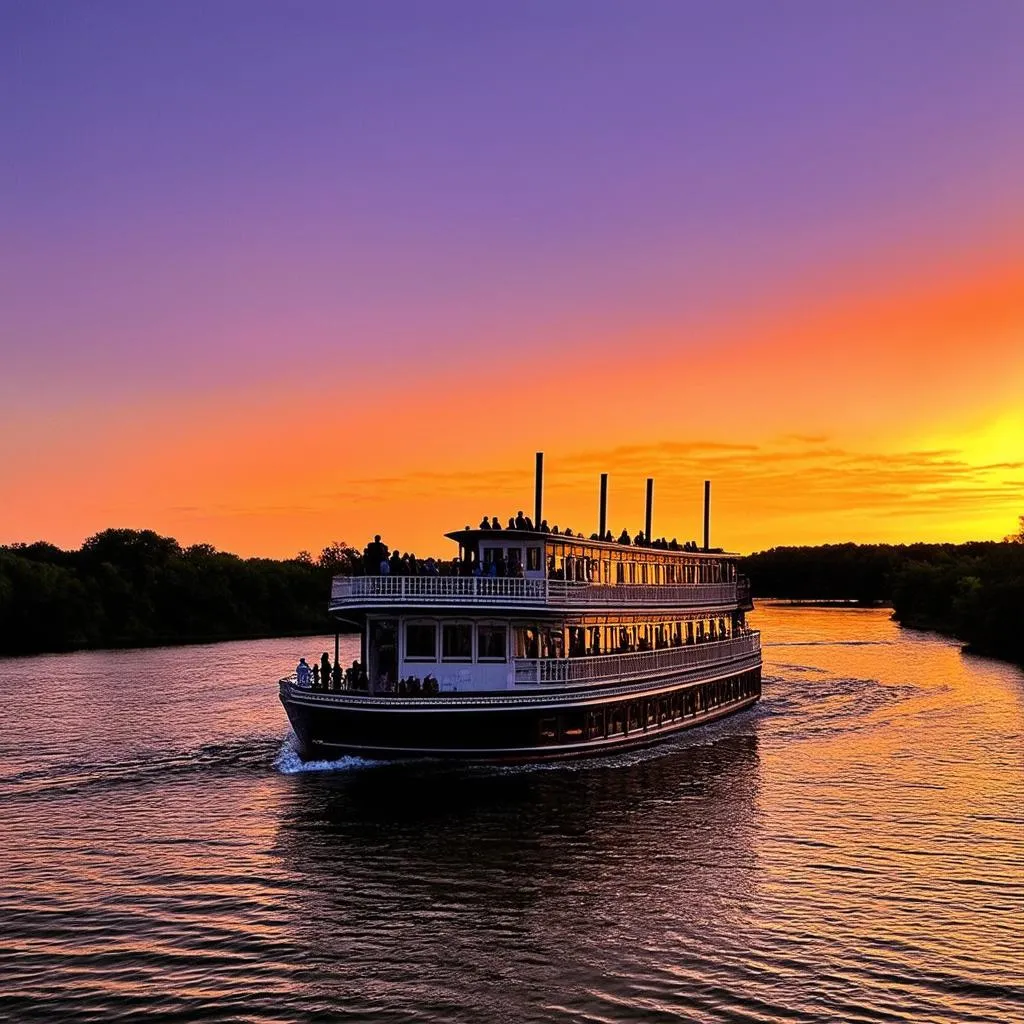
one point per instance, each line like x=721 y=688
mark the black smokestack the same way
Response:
x=650 y=509
x=538 y=490
x=707 y=515
x=603 y=517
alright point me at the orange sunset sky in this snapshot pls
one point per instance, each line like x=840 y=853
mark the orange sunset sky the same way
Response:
x=271 y=284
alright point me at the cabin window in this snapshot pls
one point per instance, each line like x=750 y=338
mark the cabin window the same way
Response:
x=492 y=554
x=595 y=725
x=616 y=720
x=457 y=641
x=491 y=642
x=633 y=715
x=532 y=559
x=515 y=556
x=571 y=724
x=421 y=641
x=548 y=730
x=527 y=642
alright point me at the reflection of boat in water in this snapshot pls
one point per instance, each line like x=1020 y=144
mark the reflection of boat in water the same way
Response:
x=396 y=825
x=441 y=891
x=535 y=645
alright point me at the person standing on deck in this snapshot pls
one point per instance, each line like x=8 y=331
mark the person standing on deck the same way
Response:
x=325 y=670
x=302 y=673
x=375 y=554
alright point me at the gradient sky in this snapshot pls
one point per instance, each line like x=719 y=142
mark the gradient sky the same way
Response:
x=277 y=274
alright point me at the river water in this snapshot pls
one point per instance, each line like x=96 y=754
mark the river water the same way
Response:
x=852 y=849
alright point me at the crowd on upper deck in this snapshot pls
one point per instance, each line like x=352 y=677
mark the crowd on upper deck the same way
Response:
x=378 y=560
x=521 y=522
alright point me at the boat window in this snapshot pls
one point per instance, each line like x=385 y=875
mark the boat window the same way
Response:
x=515 y=556
x=491 y=642
x=492 y=554
x=549 y=729
x=457 y=641
x=633 y=715
x=527 y=643
x=616 y=720
x=532 y=559
x=421 y=641
x=571 y=726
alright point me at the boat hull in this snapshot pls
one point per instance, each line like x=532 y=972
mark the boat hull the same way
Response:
x=538 y=726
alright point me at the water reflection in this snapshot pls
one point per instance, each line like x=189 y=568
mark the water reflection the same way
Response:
x=442 y=872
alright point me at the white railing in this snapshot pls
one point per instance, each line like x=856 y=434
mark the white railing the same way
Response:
x=437 y=590
x=539 y=593
x=636 y=665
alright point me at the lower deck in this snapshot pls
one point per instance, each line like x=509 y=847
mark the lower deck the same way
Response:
x=537 y=727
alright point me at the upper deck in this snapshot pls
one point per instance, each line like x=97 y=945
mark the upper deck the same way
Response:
x=533 y=570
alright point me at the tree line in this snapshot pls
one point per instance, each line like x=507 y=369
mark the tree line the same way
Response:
x=126 y=588
x=972 y=591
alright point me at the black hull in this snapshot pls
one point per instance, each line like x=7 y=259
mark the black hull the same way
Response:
x=503 y=728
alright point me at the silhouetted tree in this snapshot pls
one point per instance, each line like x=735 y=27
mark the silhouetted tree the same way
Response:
x=129 y=587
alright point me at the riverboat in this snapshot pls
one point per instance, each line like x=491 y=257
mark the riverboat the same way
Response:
x=583 y=647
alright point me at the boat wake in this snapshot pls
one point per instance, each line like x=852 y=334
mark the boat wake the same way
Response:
x=288 y=761
x=245 y=755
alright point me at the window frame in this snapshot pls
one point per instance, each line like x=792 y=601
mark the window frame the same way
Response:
x=490 y=659
x=420 y=624
x=456 y=658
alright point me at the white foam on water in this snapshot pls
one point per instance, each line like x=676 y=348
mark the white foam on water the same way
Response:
x=288 y=761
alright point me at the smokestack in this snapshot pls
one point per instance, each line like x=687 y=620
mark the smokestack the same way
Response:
x=707 y=515
x=538 y=490
x=603 y=517
x=650 y=508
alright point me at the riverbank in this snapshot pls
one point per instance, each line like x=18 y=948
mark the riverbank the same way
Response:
x=972 y=592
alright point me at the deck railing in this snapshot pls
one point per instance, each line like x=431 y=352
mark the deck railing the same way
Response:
x=527 y=593
x=635 y=665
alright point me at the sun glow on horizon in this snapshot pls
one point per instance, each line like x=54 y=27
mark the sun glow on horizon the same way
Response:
x=268 y=304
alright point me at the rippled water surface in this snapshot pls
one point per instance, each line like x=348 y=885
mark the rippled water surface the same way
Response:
x=852 y=850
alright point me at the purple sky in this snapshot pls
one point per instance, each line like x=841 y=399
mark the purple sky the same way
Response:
x=377 y=174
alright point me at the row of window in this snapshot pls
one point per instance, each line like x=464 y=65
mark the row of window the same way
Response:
x=596 y=565
x=536 y=641
x=642 y=715
x=456 y=641
x=512 y=555
x=578 y=562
